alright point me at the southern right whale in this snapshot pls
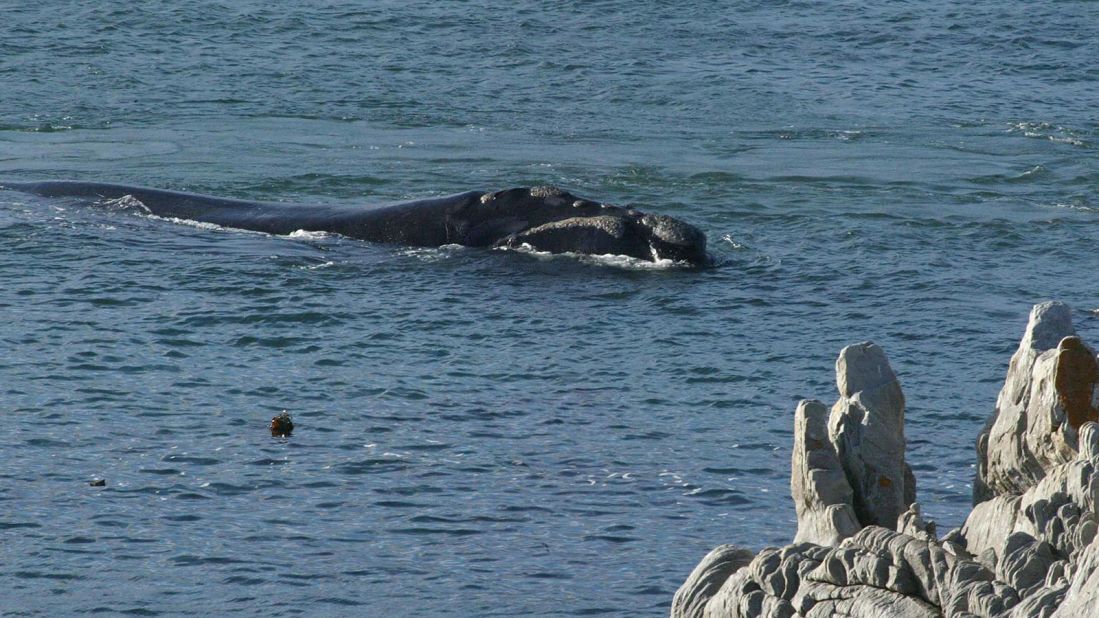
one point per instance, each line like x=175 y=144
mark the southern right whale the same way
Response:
x=542 y=218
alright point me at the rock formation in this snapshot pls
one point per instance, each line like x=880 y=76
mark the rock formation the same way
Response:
x=1028 y=548
x=1047 y=396
x=823 y=498
x=866 y=429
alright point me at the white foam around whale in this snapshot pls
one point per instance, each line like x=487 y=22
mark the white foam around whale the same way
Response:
x=616 y=261
x=128 y=202
x=308 y=235
x=199 y=224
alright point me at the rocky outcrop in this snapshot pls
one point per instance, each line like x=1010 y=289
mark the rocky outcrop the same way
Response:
x=708 y=577
x=1048 y=394
x=1082 y=596
x=1029 y=548
x=823 y=498
x=866 y=428
x=848 y=468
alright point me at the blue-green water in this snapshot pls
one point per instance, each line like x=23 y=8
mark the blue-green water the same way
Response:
x=485 y=433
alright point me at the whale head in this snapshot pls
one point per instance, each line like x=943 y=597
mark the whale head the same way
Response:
x=553 y=220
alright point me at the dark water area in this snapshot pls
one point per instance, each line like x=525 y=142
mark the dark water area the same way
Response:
x=497 y=433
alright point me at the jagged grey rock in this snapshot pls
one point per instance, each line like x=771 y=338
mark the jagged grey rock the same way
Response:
x=822 y=496
x=1089 y=441
x=989 y=523
x=1024 y=562
x=1029 y=548
x=1048 y=394
x=911 y=522
x=1082 y=595
x=867 y=429
x=1061 y=508
x=706 y=579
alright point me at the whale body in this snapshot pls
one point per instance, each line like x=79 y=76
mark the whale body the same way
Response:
x=542 y=218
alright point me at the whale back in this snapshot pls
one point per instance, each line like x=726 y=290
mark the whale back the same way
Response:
x=420 y=223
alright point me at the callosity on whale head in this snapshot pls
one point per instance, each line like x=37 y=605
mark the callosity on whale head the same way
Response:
x=672 y=239
x=550 y=219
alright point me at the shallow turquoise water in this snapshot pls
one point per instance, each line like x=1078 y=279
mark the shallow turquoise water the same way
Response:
x=485 y=433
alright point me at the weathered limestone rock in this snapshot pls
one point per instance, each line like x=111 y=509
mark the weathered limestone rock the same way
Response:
x=911 y=522
x=1049 y=393
x=822 y=495
x=1082 y=595
x=1024 y=562
x=848 y=471
x=1089 y=442
x=1029 y=548
x=863 y=601
x=867 y=429
x=1041 y=605
x=989 y=523
x=877 y=572
x=718 y=565
x=1061 y=509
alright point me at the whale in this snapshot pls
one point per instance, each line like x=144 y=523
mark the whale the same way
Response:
x=542 y=218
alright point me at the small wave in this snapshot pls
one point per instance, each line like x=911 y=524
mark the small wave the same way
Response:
x=131 y=203
x=312 y=183
x=1075 y=205
x=728 y=239
x=431 y=254
x=711 y=178
x=1028 y=127
x=1036 y=171
x=127 y=202
x=1047 y=131
x=202 y=225
x=1074 y=141
x=46 y=127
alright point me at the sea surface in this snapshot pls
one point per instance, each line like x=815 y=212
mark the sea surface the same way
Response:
x=492 y=433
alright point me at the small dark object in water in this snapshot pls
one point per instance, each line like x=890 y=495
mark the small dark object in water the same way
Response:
x=281 y=425
x=99 y=483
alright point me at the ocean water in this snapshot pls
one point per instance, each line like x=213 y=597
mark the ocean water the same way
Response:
x=493 y=433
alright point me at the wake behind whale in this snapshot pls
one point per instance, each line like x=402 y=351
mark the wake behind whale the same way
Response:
x=544 y=219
